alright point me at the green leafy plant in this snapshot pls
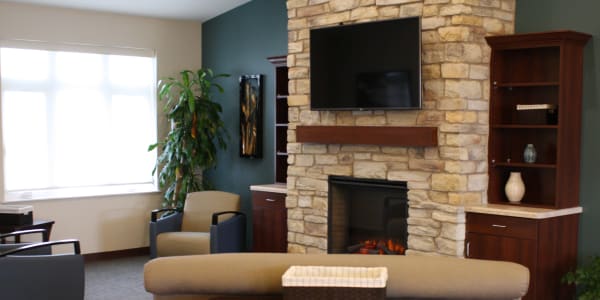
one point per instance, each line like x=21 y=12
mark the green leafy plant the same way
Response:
x=587 y=280
x=197 y=132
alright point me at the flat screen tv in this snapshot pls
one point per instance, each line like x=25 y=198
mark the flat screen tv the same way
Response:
x=366 y=66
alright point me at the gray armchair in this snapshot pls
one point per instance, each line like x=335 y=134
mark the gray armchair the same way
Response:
x=209 y=223
x=12 y=240
x=25 y=276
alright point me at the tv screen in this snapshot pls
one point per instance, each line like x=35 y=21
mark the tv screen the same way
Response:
x=366 y=66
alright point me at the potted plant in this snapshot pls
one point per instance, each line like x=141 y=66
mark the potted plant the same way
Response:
x=587 y=280
x=197 y=132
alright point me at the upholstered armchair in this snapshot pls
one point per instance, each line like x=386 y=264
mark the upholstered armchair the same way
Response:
x=31 y=271
x=210 y=222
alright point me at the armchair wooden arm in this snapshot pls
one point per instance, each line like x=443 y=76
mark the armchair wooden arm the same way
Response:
x=164 y=223
x=76 y=247
x=215 y=216
x=17 y=235
x=228 y=235
x=155 y=213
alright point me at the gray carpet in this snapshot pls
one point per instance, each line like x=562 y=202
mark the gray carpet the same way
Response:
x=119 y=278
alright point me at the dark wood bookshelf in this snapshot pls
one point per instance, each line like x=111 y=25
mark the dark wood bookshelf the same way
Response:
x=281 y=117
x=538 y=68
x=534 y=69
x=526 y=126
x=525 y=84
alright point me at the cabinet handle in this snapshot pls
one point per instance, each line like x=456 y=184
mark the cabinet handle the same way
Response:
x=499 y=226
x=269 y=200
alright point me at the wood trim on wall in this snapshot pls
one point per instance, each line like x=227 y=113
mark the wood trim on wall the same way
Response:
x=99 y=256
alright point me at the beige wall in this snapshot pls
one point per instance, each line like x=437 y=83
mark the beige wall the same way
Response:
x=115 y=222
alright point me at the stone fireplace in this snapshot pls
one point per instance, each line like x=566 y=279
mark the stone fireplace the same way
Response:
x=455 y=81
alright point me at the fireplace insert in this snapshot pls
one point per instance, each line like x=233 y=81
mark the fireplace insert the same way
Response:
x=367 y=216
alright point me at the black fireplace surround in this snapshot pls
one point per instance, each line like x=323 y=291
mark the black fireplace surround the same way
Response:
x=365 y=210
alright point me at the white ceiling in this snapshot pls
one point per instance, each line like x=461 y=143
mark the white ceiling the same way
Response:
x=199 y=10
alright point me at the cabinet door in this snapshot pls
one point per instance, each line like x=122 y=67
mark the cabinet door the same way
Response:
x=519 y=250
x=269 y=223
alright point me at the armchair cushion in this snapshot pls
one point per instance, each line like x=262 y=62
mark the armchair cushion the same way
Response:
x=200 y=206
x=183 y=243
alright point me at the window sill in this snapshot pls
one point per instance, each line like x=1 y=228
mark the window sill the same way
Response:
x=80 y=192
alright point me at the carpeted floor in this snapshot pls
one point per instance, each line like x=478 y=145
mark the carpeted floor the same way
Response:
x=119 y=278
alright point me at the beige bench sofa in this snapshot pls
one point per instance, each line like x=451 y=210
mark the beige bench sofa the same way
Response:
x=258 y=276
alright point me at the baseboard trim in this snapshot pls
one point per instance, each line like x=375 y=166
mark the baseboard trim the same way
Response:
x=90 y=257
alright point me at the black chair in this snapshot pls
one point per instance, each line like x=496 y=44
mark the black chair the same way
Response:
x=25 y=276
x=12 y=240
x=197 y=229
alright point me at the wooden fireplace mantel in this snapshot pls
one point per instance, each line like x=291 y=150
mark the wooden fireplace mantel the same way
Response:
x=368 y=135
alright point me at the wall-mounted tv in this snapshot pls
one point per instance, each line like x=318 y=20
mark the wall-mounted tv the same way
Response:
x=366 y=66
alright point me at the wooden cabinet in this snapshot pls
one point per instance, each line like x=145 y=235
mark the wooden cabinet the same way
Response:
x=281 y=117
x=535 y=98
x=547 y=246
x=269 y=221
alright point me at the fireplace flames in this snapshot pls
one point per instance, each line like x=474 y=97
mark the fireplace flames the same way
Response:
x=378 y=247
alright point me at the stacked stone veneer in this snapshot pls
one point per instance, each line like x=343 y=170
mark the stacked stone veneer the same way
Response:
x=441 y=180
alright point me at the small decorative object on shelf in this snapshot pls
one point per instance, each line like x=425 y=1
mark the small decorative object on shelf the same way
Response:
x=514 y=188
x=535 y=106
x=552 y=116
x=529 y=154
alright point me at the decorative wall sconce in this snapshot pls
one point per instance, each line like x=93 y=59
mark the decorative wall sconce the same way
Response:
x=251 y=116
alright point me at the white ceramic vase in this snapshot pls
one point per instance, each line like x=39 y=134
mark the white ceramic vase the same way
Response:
x=514 y=188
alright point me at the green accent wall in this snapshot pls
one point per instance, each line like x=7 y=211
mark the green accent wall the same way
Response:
x=238 y=42
x=578 y=15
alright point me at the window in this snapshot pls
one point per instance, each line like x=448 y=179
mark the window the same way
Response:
x=76 y=123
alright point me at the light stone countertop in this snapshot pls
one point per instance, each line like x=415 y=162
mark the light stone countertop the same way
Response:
x=522 y=211
x=280 y=188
